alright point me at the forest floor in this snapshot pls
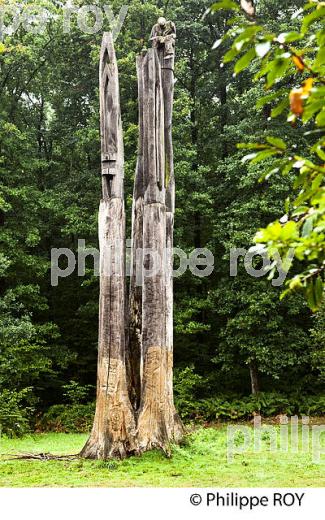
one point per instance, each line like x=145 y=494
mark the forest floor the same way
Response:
x=201 y=462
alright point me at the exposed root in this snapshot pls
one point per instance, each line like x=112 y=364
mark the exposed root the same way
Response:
x=41 y=456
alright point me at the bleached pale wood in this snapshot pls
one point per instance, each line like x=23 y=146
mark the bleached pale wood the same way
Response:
x=113 y=433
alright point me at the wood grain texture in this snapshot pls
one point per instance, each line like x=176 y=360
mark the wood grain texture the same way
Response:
x=135 y=407
x=158 y=423
x=112 y=149
x=113 y=432
x=167 y=63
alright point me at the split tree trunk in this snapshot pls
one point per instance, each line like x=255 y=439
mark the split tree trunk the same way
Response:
x=113 y=432
x=142 y=387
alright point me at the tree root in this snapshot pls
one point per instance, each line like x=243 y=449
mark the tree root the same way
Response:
x=41 y=456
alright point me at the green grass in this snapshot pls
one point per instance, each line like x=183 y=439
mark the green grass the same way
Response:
x=201 y=462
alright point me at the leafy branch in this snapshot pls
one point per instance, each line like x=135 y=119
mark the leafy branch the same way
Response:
x=278 y=60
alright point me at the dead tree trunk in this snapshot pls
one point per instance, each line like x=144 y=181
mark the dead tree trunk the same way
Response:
x=113 y=432
x=253 y=371
x=140 y=386
x=158 y=423
x=167 y=77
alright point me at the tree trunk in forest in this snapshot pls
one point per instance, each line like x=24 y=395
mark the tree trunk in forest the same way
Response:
x=135 y=380
x=158 y=423
x=113 y=432
x=254 y=377
x=167 y=77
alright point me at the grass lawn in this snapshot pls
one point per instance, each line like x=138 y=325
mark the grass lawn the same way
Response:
x=201 y=462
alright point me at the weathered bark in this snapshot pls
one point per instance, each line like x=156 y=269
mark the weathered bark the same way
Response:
x=142 y=385
x=113 y=432
x=158 y=423
x=167 y=76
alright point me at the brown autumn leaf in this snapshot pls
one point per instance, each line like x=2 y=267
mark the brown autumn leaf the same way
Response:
x=298 y=62
x=296 y=101
x=298 y=95
x=307 y=86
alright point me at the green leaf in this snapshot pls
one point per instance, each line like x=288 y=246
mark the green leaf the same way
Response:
x=289 y=37
x=224 y=4
x=312 y=108
x=314 y=293
x=310 y=296
x=320 y=152
x=317 y=181
x=278 y=68
x=318 y=290
x=307 y=227
x=310 y=5
x=252 y=146
x=311 y=18
x=248 y=33
x=320 y=58
x=276 y=111
x=289 y=231
x=320 y=119
x=287 y=167
x=230 y=55
x=263 y=155
x=245 y=60
x=277 y=142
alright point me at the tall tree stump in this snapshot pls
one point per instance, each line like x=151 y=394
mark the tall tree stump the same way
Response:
x=158 y=422
x=113 y=432
x=135 y=407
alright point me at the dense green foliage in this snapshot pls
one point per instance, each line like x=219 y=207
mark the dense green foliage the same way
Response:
x=285 y=59
x=231 y=330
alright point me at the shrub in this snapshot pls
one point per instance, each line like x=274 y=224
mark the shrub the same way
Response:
x=267 y=404
x=186 y=385
x=69 y=418
x=15 y=416
x=189 y=388
x=76 y=393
